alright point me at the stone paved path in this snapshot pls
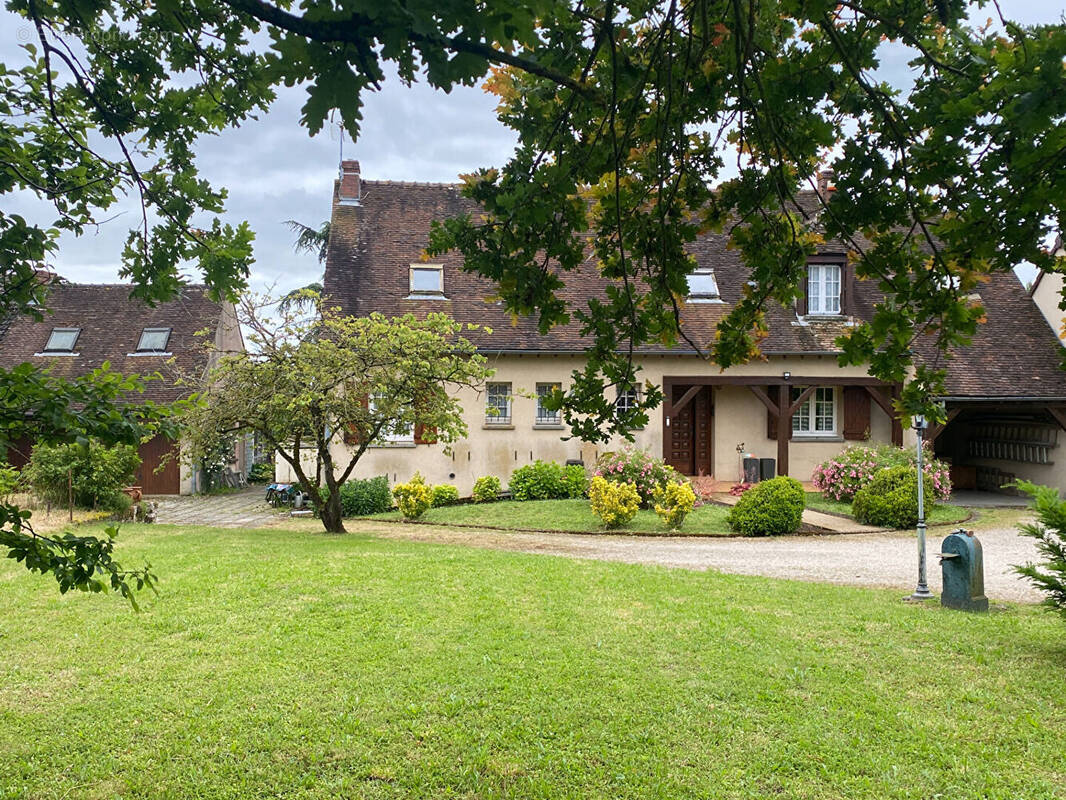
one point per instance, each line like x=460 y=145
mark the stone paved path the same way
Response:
x=243 y=509
x=827 y=522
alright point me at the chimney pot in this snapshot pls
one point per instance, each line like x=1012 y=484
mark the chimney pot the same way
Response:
x=825 y=178
x=351 y=186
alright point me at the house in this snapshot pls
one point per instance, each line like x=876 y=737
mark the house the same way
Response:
x=1047 y=293
x=90 y=324
x=1006 y=399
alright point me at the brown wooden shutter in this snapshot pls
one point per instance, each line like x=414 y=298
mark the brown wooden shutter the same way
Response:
x=802 y=304
x=856 y=413
x=771 y=420
x=425 y=434
x=351 y=433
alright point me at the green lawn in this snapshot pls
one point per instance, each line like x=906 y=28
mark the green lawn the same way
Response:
x=937 y=514
x=565 y=515
x=299 y=665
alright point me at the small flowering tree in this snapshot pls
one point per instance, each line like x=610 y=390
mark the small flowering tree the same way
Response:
x=841 y=477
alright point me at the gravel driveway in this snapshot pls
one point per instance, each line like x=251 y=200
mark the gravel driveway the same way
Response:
x=878 y=559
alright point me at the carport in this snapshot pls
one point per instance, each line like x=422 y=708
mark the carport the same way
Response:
x=991 y=442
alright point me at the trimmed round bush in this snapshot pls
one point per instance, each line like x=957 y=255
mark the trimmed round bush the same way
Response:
x=673 y=503
x=486 y=489
x=614 y=503
x=891 y=498
x=414 y=497
x=576 y=481
x=771 y=508
x=445 y=495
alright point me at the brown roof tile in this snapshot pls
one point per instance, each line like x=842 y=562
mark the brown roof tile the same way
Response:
x=374 y=243
x=111 y=325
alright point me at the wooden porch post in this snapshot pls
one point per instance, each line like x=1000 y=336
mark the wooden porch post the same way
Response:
x=784 y=429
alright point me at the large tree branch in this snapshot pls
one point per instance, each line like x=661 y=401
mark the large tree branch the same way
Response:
x=360 y=30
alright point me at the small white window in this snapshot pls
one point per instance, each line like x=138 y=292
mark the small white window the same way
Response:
x=62 y=340
x=702 y=284
x=427 y=279
x=392 y=433
x=823 y=289
x=498 y=404
x=546 y=416
x=626 y=402
x=153 y=340
x=817 y=415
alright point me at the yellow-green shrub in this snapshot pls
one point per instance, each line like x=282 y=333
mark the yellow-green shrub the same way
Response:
x=413 y=497
x=614 y=503
x=674 y=502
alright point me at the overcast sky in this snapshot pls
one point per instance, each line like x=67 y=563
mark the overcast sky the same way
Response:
x=274 y=171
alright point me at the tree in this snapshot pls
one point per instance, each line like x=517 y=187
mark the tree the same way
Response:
x=1049 y=533
x=54 y=410
x=628 y=114
x=308 y=240
x=314 y=382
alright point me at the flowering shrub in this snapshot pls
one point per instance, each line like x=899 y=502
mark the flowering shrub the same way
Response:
x=614 y=503
x=640 y=470
x=737 y=489
x=486 y=489
x=413 y=497
x=673 y=503
x=842 y=476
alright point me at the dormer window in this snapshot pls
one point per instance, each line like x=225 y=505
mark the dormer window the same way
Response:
x=702 y=286
x=823 y=289
x=62 y=340
x=427 y=281
x=153 y=340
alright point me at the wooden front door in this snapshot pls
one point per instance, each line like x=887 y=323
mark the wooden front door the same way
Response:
x=681 y=436
x=689 y=435
x=168 y=479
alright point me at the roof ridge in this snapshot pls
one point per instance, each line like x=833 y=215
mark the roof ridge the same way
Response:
x=432 y=184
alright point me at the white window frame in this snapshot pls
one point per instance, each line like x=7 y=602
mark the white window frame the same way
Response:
x=625 y=400
x=711 y=294
x=154 y=350
x=808 y=416
x=822 y=278
x=386 y=438
x=425 y=293
x=544 y=416
x=502 y=415
x=50 y=350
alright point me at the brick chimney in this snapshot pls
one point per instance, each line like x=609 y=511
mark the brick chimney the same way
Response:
x=351 y=186
x=825 y=178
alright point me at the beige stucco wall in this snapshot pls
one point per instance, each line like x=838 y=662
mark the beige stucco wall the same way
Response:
x=739 y=417
x=1047 y=295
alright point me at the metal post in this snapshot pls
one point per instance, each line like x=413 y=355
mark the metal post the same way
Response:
x=921 y=592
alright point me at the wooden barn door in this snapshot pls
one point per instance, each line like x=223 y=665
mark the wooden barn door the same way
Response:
x=167 y=480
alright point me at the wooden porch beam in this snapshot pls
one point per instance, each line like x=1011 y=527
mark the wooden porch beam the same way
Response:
x=686 y=398
x=784 y=429
x=936 y=430
x=1059 y=416
x=770 y=380
x=771 y=406
x=883 y=402
x=806 y=393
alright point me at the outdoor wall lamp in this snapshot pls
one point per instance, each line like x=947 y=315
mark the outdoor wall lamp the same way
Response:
x=786 y=375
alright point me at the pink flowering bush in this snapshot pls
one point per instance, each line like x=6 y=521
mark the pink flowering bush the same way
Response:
x=637 y=468
x=842 y=476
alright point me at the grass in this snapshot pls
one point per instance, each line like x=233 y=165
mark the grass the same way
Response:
x=936 y=514
x=281 y=664
x=565 y=515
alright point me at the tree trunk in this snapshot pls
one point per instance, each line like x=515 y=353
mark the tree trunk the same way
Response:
x=330 y=512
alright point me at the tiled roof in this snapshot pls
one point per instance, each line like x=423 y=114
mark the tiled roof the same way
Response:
x=111 y=325
x=374 y=243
